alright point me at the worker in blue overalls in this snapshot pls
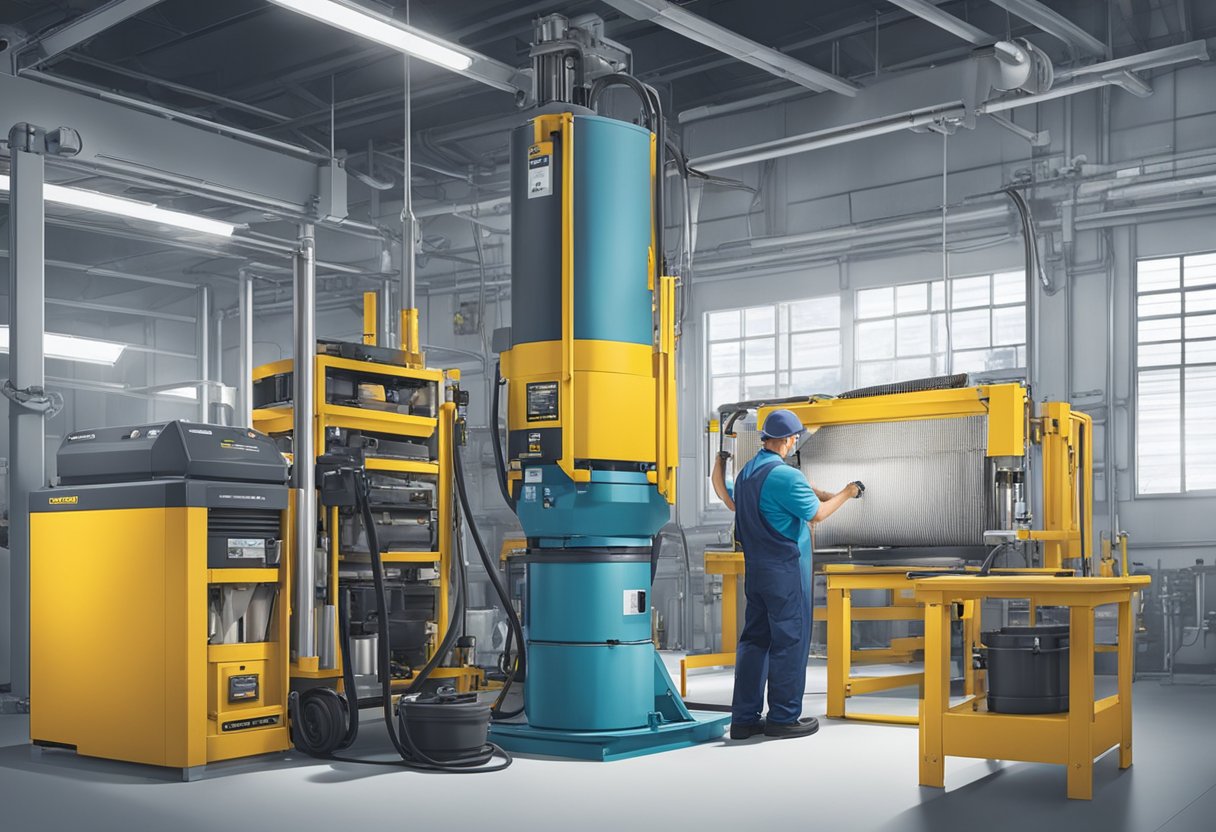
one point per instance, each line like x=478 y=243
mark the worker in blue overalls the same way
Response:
x=774 y=505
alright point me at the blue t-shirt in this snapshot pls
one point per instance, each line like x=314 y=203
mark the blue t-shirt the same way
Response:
x=787 y=501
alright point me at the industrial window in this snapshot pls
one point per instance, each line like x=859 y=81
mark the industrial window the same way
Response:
x=779 y=349
x=1176 y=374
x=900 y=331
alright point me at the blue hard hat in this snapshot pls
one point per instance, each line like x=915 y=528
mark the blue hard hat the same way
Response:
x=780 y=424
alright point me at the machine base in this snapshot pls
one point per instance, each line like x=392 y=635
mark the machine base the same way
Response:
x=609 y=745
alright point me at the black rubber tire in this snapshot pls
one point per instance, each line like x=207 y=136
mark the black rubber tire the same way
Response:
x=319 y=726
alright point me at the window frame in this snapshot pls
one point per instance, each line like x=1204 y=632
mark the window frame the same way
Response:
x=1181 y=368
x=782 y=338
x=947 y=308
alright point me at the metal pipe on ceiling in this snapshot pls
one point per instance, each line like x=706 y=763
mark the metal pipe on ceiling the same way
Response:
x=80 y=29
x=174 y=115
x=704 y=31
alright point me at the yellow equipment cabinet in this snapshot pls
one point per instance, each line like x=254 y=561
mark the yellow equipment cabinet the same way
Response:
x=156 y=585
x=373 y=406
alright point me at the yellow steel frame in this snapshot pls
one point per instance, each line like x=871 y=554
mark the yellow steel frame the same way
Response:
x=842 y=581
x=730 y=566
x=1003 y=404
x=280 y=420
x=1065 y=436
x=1073 y=739
x=1066 y=439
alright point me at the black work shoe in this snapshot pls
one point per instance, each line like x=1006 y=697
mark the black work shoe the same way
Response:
x=743 y=730
x=802 y=728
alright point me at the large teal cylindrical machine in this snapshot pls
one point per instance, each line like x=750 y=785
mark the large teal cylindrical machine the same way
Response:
x=591 y=440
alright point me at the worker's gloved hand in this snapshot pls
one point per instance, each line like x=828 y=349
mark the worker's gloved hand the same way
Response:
x=724 y=456
x=859 y=486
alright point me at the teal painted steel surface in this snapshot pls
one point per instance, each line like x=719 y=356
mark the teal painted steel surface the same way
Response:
x=590 y=658
x=588 y=687
x=590 y=602
x=612 y=227
x=616 y=508
x=606 y=746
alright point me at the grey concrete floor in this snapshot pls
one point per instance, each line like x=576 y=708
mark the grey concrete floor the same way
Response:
x=851 y=776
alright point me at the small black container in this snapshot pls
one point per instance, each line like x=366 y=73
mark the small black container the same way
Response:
x=1027 y=669
x=446 y=727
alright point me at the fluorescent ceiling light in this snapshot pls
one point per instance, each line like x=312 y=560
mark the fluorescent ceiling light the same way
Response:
x=73 y=348
x=190 y=393
x=377 y=27
x=107 y=204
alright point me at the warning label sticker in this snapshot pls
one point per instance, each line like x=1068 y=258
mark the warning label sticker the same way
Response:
x=540 y=174
x=635 y=602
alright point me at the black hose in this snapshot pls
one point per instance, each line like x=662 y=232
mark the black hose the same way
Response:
x=520 y=667
x=411 y=755
x=655 y=123
x=500 y=462
x=348 y=671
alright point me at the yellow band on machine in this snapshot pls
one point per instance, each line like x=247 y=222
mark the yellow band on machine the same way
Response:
x=614 y=395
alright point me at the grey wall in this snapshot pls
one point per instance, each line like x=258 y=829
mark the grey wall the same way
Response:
x=857 y=183
x=900 y=174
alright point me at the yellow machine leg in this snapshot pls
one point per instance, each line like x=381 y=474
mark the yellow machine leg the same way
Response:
x=937 y=695
x=730 y=613
x=840 y=649
x=1081 y=704
x=1127 y=655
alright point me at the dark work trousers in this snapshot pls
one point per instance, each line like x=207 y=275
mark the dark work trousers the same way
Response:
x=776 y=635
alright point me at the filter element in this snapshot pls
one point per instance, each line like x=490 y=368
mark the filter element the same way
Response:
x=363 y=651
x=926 y=482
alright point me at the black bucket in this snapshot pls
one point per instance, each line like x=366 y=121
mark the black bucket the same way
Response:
x=1027 y=669
x=446 y=727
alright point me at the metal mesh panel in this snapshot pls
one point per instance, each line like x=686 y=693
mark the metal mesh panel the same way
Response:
x=915 y=385
x=747 y=442
x=926 y=482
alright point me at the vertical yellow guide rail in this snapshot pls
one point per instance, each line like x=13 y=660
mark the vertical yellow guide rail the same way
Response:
x=410 y=343
x=567 y=397
x=369 y=318
x=1059 y=493
x=1084 y=484
x=447 y=415
x=668 y=455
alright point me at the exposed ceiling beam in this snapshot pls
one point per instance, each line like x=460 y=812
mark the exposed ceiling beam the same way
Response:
x=693 y=27
x=944 y=20
x=1110 y=73
x=83 y=28
x=1054 y=24
x=1196 y=50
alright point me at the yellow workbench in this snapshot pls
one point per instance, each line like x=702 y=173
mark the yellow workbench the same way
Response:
x=842 y=581
x=1073 y=739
